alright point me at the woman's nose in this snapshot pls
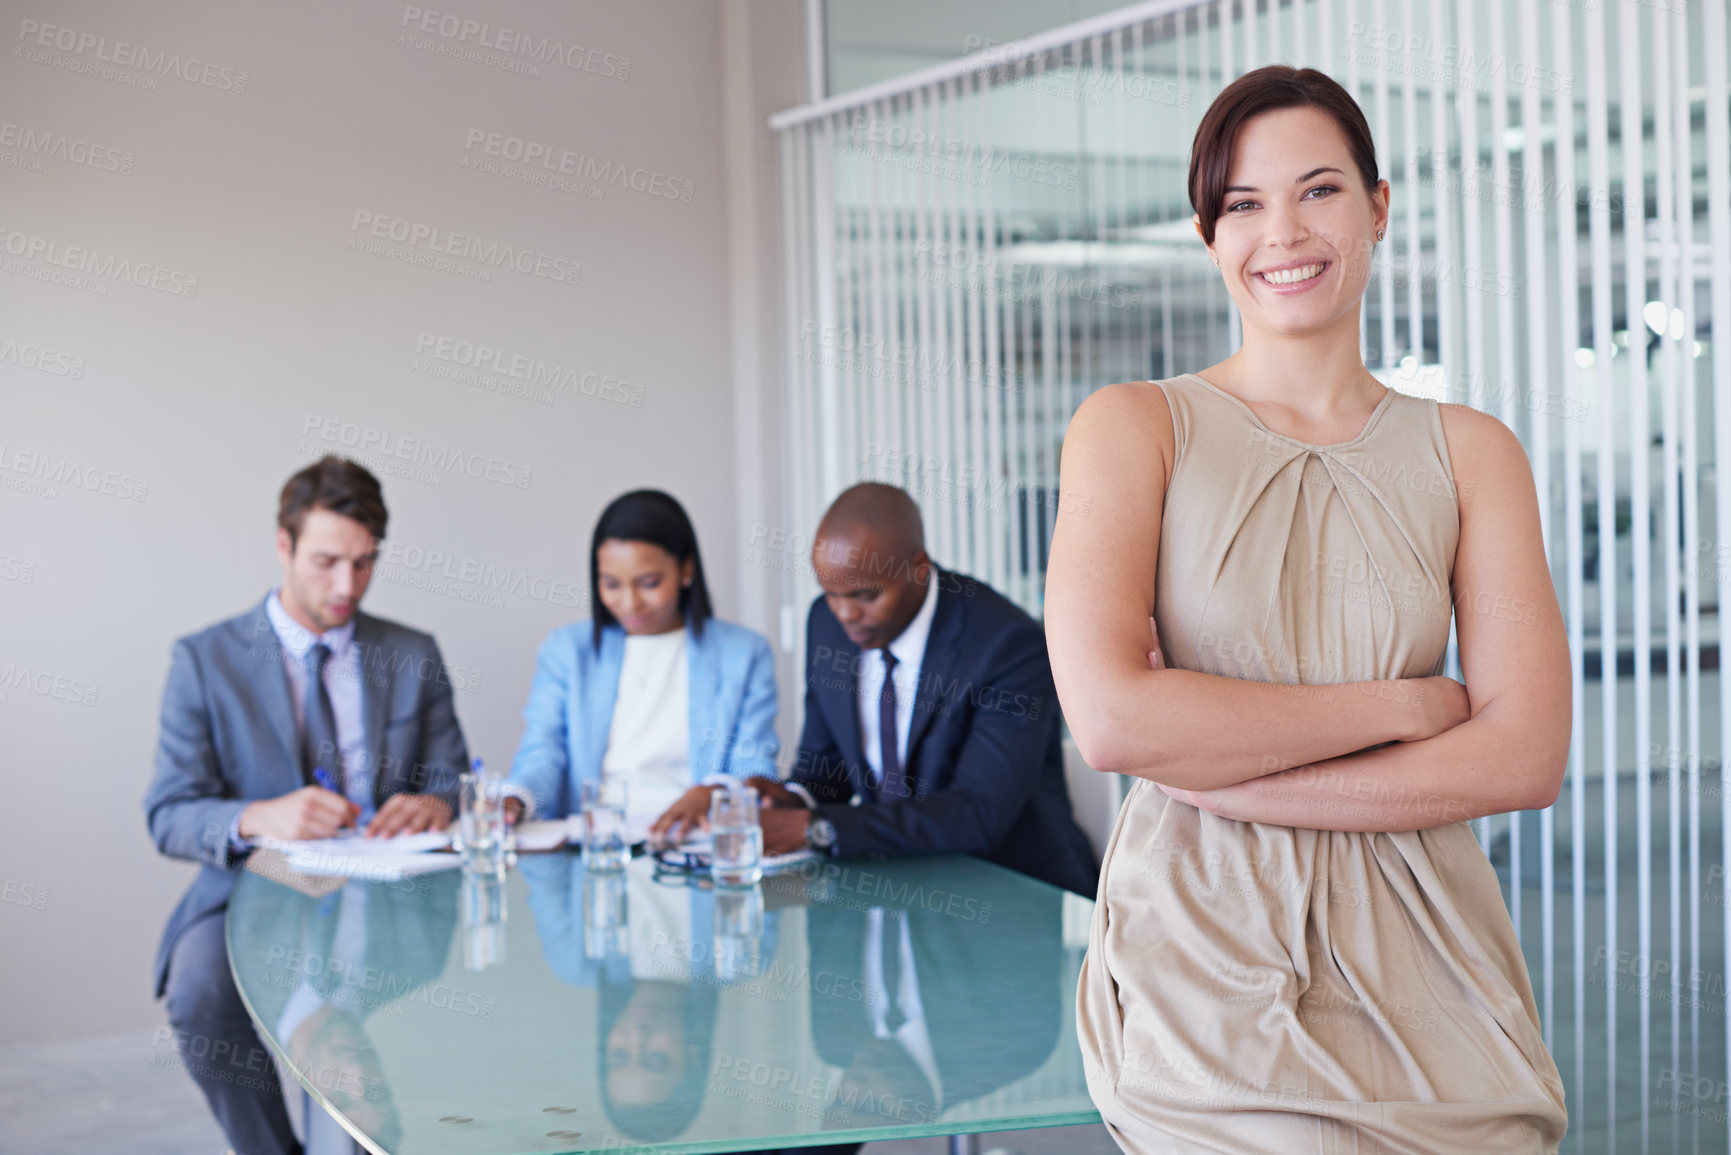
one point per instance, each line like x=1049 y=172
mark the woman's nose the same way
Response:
x=1286 y=228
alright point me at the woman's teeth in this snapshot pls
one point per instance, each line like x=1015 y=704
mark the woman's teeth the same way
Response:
x=1292 y=276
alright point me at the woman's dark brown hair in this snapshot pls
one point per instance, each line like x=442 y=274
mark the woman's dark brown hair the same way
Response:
x=649 y=515
x=338 y=485
x=1265 y=90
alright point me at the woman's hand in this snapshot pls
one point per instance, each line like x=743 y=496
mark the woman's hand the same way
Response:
x=1440 y=703
x=1201 y=799
x=689 y=814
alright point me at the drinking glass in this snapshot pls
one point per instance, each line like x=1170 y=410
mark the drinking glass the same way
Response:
x=482 y=833
x=737 y=857
x=605 y=846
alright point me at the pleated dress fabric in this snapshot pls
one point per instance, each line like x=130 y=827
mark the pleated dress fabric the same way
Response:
x=1251 y=987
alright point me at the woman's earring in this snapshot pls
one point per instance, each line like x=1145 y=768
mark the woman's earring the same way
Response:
x=1379 y=234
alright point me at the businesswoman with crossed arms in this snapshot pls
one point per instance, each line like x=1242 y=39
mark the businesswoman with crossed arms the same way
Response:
x=1298 y=944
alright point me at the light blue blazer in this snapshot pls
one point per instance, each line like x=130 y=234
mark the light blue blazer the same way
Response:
x=570 y=710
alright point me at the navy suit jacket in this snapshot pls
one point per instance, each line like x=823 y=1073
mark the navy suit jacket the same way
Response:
x=984 y=760
x=229 y=737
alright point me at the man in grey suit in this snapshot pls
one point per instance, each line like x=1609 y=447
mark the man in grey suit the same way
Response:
x=293 y=720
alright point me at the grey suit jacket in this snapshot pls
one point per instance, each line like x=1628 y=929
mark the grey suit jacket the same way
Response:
x=229 y=737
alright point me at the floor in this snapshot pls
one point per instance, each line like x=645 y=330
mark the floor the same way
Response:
x=81 y=1098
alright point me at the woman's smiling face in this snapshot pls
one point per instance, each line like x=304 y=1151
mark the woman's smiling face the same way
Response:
x=1296 y=226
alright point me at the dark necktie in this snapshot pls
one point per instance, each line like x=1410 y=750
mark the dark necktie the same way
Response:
x=893 y=788
x=320 y=732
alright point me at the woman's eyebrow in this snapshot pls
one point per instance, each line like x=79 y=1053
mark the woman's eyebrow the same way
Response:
x=1312 y=173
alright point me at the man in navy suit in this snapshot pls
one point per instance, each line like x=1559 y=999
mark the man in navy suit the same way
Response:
x=296 y=718
x=957 y=750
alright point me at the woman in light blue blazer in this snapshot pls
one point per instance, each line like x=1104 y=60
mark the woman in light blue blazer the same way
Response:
x=654 y=690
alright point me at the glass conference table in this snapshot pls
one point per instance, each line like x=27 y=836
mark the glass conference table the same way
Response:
x=555 y=1010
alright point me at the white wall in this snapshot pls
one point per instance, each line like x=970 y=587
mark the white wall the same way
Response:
x=140 y=460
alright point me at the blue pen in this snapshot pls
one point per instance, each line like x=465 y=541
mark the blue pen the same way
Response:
x=329 y=783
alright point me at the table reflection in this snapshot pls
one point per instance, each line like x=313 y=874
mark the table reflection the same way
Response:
x=898 y=977
x=555 y=1010
x=606 y=914
x=483 y=913
x=902 y=1000
x=335 y=955
x=649 y=941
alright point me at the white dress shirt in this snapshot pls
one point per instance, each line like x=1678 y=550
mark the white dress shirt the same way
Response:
x=909 y=647
x=342 y=679
x=649 y=737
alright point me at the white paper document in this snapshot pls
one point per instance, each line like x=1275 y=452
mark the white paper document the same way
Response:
x=360 y=845
x=546 y=834
x=376 y=859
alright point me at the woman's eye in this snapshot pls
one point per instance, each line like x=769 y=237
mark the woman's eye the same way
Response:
x=1236 y=205
x=1322 y=188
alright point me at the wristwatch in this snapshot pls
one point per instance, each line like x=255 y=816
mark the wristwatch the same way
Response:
x=820 y=833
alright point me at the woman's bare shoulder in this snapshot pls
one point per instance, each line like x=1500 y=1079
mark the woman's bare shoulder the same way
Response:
x=1129 y=414
x=1488 y=461
x=1478 y=441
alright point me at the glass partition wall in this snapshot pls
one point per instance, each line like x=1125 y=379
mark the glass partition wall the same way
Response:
x=974 y=248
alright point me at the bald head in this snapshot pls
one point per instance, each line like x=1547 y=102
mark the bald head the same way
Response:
x=886 y=514
x=869 y=556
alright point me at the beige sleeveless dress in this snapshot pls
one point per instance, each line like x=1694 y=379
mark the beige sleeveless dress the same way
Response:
x=1257 y=988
